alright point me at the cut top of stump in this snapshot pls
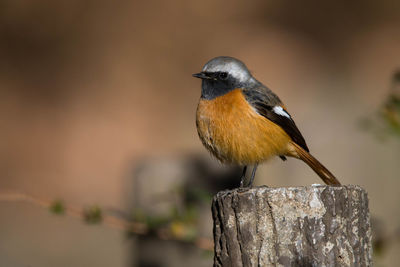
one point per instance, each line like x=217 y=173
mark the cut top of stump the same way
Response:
x=293 y=226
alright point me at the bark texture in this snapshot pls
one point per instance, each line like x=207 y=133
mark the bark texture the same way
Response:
x=297 y=226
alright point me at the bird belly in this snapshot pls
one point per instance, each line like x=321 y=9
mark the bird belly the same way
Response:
x=235 y=133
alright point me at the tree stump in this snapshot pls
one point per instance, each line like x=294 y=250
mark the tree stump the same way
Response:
x=296 y=226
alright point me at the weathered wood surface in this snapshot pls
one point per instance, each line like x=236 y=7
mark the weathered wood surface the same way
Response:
x=296 y=226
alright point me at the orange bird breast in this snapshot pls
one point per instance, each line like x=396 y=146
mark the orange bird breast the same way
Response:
x=235 y=133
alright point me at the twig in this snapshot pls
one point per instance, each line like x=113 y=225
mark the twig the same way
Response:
x=107 y=219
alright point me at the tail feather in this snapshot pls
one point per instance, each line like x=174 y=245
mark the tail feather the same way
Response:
x=322 y=172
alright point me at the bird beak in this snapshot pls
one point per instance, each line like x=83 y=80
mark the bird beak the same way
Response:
x=201 y=75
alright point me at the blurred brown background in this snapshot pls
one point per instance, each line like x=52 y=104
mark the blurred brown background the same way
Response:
x=90 y=88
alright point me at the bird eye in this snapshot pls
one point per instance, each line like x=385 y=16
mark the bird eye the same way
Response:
x=223 y=75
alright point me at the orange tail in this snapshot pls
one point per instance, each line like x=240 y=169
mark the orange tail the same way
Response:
x=322 y=172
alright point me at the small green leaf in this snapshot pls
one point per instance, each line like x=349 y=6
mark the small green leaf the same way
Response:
x=57 y=207
x=92 y=215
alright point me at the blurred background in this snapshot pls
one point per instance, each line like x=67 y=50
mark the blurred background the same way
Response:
x=97 y=108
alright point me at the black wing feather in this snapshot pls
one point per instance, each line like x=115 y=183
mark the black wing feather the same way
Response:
x=263 y=100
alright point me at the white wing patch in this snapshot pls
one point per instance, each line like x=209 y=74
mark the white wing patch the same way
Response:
x=279 y=110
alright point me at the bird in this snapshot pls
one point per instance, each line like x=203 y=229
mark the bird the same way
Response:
x=241 y=121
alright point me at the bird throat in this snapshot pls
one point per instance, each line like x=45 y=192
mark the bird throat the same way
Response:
x=211 y=89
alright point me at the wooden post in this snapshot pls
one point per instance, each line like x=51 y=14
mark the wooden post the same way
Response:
x=295 y=226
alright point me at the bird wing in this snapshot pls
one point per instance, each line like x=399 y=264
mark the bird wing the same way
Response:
x=267 y=104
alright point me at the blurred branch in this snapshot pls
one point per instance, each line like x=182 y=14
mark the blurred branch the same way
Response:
x=381 y=238
x=386 y=120
x=95 y=215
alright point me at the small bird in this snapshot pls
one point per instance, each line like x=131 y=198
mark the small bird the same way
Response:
x=241 y=121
